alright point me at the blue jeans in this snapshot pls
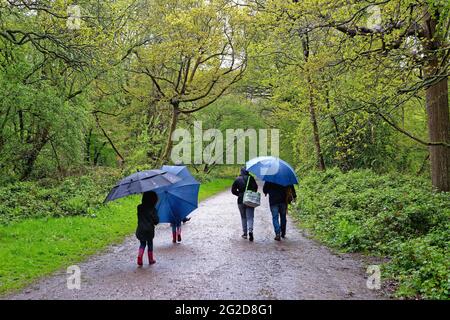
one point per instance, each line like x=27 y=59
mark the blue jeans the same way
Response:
x=247 y=217
x=279 y=210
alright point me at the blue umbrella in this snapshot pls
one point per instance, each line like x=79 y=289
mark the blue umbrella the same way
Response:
x=177 y=201
x=140 y=182
x=272 y=169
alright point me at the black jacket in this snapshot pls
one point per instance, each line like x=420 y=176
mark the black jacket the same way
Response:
x=277 y=193
x=238 y=187
x=147 y=220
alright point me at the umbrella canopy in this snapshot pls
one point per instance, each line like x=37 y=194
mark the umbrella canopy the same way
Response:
x=140 y=182
x=272 y=169
x=177 y=201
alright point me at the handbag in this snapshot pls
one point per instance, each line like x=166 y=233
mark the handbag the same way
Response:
x=251 y=198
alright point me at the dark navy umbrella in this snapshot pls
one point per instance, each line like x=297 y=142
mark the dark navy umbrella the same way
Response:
x=272 y=169
x=141 y=182
x=177 y=201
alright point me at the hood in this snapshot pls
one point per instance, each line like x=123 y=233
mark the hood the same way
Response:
x=244 y=172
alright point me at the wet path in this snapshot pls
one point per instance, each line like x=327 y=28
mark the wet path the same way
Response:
x=214 y=262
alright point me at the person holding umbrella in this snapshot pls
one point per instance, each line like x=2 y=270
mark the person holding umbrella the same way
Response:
x=147 y=220
x=279 y=178
x=177 y=201
x=145 y=182
x=243 y=182
x=279 y=198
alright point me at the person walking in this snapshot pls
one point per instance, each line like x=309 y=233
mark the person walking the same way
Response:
x=147 y=220
x=247 y=213
x=176 y=231
x=279 y=199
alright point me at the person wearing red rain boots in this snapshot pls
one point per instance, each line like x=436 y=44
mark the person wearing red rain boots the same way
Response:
x=145 y=231
x=176 y=232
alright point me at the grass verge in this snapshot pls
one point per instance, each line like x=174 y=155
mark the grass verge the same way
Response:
x=34 y=248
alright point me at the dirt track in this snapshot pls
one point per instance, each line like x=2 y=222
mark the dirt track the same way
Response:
x=214 y=262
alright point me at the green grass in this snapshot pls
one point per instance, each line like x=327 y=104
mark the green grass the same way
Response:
x=34 y=248
x=212 y=187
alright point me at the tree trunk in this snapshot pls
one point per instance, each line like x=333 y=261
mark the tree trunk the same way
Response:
x=312 y=113
x=87 y=156
x=438 y=129
x=437 y=109
x=31 y=156
x=21 y=126
x=312 y=108
x=152 y=118
x=173 y=126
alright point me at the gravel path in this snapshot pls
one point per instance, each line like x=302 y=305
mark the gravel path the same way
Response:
x=214 y=262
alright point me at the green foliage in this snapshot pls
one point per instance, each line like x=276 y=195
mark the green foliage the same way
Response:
x=395 y=215
x=422 y=266
x=75 y=195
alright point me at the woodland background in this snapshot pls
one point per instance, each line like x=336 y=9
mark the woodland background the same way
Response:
x=358 y=89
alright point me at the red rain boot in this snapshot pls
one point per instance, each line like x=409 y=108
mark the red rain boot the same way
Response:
x=174 y=237
x=140 y=255
x=179 y=235
x=151 y=260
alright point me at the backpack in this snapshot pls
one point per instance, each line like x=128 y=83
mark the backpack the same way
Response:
x=289 y=195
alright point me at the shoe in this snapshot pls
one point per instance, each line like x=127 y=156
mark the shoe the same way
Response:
x=283 y=232
x=250 y=236
x=179 y=237
x=151 y=260
x=140 y=255
x=277 y=237
x=244 y=236
x=174 y=237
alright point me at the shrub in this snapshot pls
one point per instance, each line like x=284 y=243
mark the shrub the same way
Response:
x=394 y=215
x=74 y=195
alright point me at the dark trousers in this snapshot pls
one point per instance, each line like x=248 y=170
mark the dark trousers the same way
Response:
x=176 y=226
x=149 y=245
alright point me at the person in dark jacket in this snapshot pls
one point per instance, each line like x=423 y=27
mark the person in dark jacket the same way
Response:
x=279 y=198
x=147 y=220
x=247 y=213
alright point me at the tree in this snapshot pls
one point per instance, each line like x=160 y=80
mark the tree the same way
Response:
x=52 y=66
x=196 y=52
x=405 y=41
x=428 y=23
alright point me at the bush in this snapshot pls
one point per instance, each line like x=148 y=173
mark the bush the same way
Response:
x=421 y=265
x=394 y=215
x=75 y=195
